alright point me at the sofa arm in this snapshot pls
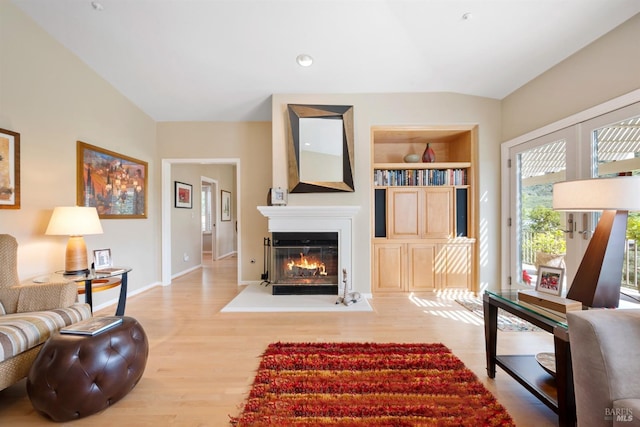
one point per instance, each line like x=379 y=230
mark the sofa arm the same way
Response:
x=605 y=347
x=38 y=297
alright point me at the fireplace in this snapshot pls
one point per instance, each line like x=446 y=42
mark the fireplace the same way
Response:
x=336 y=220
x=305 y=263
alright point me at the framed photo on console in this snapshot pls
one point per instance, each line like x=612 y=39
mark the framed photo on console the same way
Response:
x=550 y=280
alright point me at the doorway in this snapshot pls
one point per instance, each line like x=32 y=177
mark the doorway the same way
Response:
x=209 y=219
x=167 y=204
x=599 y=146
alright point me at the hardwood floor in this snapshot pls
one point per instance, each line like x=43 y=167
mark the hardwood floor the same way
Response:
x=202 y=362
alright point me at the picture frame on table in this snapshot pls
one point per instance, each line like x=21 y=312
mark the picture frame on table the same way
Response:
x=183 y=195
x=9 y=169
x=550 y=280
x=101 y=258
x=115 y=184
x=225 y=205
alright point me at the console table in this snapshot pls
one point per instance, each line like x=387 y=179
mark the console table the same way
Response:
x=557 y=395
x=96 y=282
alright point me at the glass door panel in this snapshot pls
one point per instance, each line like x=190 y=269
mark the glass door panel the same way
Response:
x=615 y=142
x=537 y=231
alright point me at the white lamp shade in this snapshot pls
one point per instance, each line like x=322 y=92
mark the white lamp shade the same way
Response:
x=620 y=193
x=74 y=221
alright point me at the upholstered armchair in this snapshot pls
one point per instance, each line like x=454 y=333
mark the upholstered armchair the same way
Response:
x=605 y=354
x=29 y=314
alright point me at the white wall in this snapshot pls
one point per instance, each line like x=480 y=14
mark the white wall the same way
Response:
x=53 y=100
x=402 y=109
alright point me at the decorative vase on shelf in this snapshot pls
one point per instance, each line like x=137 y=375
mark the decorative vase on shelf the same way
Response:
x=429 y=156
x=412 y=158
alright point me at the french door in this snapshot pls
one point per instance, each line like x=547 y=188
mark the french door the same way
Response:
x=607 y=145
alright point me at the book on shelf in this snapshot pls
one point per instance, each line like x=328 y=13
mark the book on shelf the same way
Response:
x=419 y=177
x=92 y=326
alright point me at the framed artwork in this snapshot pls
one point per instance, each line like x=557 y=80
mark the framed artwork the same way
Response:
x=9 y=169
x=225 y=206
x=278 y=196
x=550 y=280
x=101 y=258
x=116 y=185
x=184 y=195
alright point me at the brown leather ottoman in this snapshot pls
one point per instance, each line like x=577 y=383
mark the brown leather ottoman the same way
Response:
x=75 y=376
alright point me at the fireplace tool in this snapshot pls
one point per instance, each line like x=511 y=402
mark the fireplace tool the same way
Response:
x=266 y=243
x=347 y=298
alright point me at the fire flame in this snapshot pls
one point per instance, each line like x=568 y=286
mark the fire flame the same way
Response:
x=307 y=264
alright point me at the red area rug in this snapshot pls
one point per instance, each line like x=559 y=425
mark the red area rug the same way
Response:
x=364 y=384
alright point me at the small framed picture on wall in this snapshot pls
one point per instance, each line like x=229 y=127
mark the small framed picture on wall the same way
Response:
x=225 y=205
x=183 y=195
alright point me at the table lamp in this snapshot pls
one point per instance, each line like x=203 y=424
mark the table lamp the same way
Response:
x=597 y=280
x=75 y=222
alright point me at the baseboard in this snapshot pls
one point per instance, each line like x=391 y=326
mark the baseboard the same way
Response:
x=228 y=254
x=114 y=301
x=183 y=272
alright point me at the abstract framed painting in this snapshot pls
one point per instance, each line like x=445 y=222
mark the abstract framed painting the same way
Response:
x=115 y=184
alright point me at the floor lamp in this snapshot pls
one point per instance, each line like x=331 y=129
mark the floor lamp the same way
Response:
x=75 y=222
x=597 y=281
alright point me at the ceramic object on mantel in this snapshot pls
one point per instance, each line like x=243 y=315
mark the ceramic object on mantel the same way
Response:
x=412 y=158
x=429 y=156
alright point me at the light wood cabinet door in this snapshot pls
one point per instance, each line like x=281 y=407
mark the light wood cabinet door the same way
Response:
x=420 y=213
x=404 y=211
x=437 y=213
x=455 y=260
x=389 y=267
x=421 y=260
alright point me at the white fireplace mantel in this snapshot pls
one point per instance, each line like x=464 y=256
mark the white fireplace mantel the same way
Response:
x=317 y=219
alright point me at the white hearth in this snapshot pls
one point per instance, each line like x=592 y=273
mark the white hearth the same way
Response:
x=318 y=219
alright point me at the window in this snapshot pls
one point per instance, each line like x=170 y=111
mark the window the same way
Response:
x=207 y=217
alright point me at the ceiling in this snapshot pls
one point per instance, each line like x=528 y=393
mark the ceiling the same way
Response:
x=220 y=60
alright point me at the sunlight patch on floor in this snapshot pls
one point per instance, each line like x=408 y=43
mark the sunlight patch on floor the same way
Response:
x=461 y=316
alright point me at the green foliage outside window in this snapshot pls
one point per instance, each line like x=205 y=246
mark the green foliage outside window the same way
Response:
x=633 y=227
x=547 y=235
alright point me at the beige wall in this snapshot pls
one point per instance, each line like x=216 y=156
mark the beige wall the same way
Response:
x=605 y=69
x=53 y=100
x=250 y=142
x=402 y=109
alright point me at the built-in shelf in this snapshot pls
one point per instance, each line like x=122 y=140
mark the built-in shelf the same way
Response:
x=438 y=165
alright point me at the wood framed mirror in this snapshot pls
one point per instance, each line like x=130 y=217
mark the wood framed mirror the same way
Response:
x=320 y=148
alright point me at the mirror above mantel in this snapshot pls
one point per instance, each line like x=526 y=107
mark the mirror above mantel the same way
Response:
x=320 y=148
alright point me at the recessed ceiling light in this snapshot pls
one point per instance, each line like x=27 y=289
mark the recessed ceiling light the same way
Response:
x=467 y=16
x=304 y=60
x=97 y=6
